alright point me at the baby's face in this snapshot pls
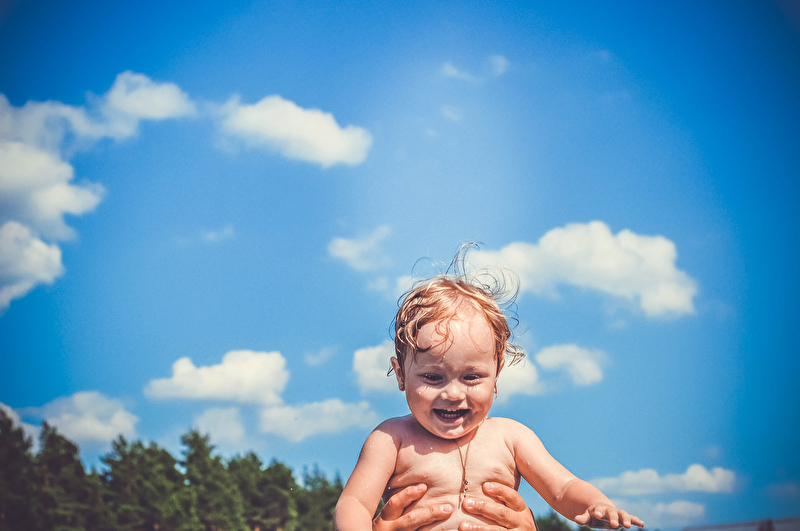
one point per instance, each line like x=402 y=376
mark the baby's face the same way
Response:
x=450 y=387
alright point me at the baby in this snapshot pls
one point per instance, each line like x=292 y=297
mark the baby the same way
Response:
x=451 y=342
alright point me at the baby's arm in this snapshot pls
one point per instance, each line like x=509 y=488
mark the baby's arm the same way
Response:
x=364 y=489
x=574 y=498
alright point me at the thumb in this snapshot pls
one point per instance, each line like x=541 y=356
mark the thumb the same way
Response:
x=583 y=518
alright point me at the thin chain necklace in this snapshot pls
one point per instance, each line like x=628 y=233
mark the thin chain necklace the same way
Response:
x=463 y=457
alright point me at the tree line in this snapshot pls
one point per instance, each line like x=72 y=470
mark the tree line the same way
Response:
x=144 y=488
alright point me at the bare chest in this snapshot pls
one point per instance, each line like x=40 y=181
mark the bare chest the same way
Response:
x=452 y=474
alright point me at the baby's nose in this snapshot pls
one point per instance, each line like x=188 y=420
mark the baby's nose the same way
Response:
x=453 y=391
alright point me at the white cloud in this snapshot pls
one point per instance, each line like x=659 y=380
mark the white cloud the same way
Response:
x=451 y=71
x=451 y=113
x=138 y=97
x=628 y=265
x=394 y=290
x=676 y=514
x=647 y=481
x=314 y=359
x=309 y=135
x=216 y=236
x=296 y=423
x=25 y=262
x=133 y=97
x=222 y=424
x=582 y=365
x=521 y=378
x=243 y=376
x=494 y=66
x=36 y=189
x=364 y=253
x=30 y=431
x=89 y=416
x=498 y=65
x=371 y=365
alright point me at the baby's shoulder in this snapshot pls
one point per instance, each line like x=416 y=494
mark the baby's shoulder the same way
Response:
x=510 y=430
x=399 y=428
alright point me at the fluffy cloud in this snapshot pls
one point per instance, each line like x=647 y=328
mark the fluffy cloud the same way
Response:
x=449 y=70
x=583 y=366
x=243 y=376
x=498 y=65
x=647 y=481
x=314 y=359
x=216 y=236
x=676 y=514
x=371 y=364
x=494 y=66
x=135 y=97
x=30 y=431
x=89 y=417
x=309 y=135
x=521 y=378
x=628 y=265
x=451 y=113
x=296 y=423
x=223 y=424
x=364 y=253
x=36 y=188
x=25 y=262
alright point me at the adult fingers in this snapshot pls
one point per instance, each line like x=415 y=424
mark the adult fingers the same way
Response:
x=418 y=518
x=397 y=504
x=505 y=495
x=496 y=512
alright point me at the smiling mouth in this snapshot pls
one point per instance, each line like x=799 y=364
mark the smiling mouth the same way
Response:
x=450 y=414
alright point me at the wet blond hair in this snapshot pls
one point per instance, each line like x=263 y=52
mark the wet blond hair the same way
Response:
x=442 y=298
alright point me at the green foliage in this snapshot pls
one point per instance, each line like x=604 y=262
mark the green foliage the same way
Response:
x=317 y=500
x=268 y=494
x=141 y=483
x=67 y=498
x=219 y=504
x=17 y=488
x=144 y=488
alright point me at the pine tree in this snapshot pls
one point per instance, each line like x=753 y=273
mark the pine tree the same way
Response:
x=66 y=495
x=267 y=493
x=141 y=482
x=17 y=489
x=213 y=496
x=316 y=501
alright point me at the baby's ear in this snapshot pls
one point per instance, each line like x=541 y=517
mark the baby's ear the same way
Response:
x=500 y=365
x=398 y=373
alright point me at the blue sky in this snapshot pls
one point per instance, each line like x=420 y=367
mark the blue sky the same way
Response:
x=207 y=211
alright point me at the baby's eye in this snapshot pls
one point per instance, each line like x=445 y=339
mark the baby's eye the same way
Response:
x=473 y=377
x=433 y=378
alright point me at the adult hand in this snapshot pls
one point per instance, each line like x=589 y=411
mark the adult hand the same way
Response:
x=392 y=518
x=508 y=512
